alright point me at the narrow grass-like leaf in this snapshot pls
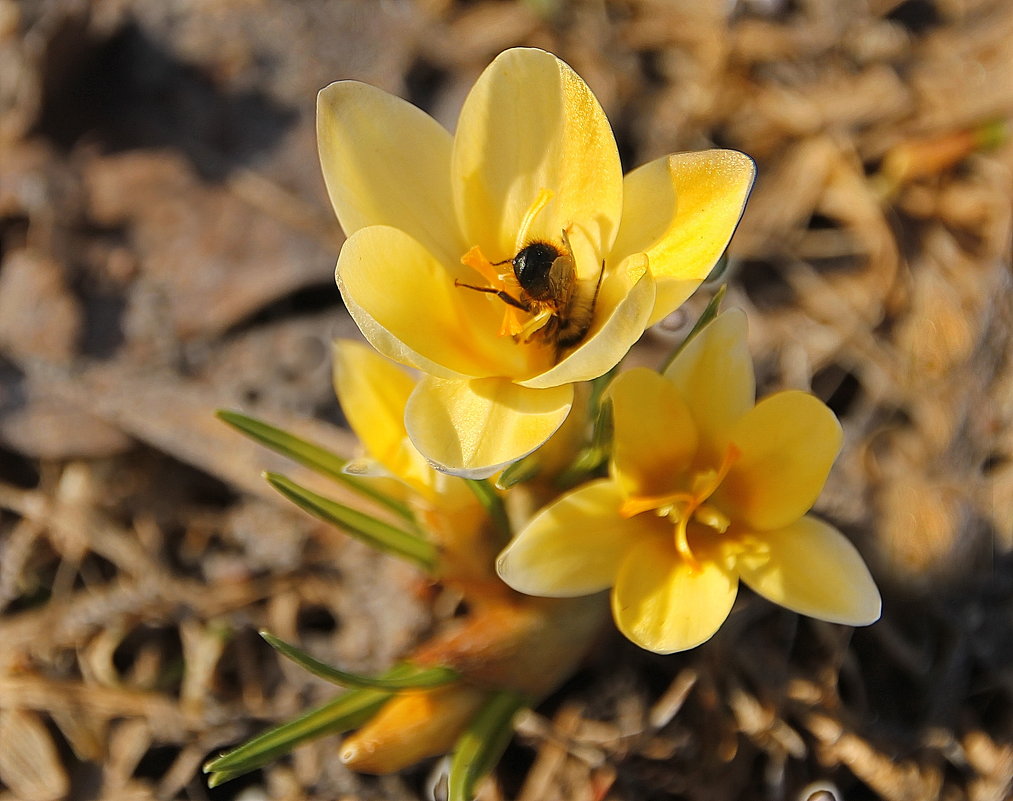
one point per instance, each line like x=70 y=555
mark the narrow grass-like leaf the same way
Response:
x=376 y=533
x=520 y=471
x=482 y=744
x=592 y=458
x=318 y=459
x=598 y=387
x=417 y=680
x=708 y=314
x=718 y=271
x=493 y=503
x=219 y=777
x=343 y=713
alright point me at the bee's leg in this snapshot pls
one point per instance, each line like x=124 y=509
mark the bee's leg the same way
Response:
x=566 y=242
x=505 y=297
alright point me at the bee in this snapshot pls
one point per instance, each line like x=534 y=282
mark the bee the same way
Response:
x=549 y=289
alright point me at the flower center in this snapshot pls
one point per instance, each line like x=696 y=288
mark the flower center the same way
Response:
x=534 y=284
x=683 y=506
x=544 y=300
x=523 y=316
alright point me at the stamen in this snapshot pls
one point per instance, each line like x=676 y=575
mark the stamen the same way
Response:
x=682 y=545
x=732 y=454
x=706 y=482
x=513 y=321
x=712 y=517
x=681 y=507
x=636 y=504
x=477 y=261
x=534 y=325
x=539 y=203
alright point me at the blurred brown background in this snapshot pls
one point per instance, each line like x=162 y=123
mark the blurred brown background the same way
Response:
x=166 y=249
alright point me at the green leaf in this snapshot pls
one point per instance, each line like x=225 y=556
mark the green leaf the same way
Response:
x=318 y=459
x=482 y=744
x=376 y=533
x=341 y=714
x=708 y=314
x=718 y=271
x=221 y=776
x=419 y=679
x=592 y=458
x=992 y=134
x=494 y=507
x=522 y=470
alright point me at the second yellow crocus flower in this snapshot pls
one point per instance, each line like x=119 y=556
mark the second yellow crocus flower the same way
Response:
x=705 y=488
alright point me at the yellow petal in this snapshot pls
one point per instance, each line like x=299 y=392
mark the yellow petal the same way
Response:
x=574 y=546
x=654 y=437
x=411 y=727
x=682 y=211
x=474 y=428
x=663 y=605
x=386 y=162
x=405 y=303
x=625 y=300
x=788 y=444
x=530 y=124
x=714 y=373
x=811 y=568
x=373 y=392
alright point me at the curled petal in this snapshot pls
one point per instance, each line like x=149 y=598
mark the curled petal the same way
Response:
x=406 y=304
x=655 y=438
x=714 y=373
x=811 y=568
x=682 y=211
x=474 y=428
x=373 y=392
x=574 y=546
x=662 y=604
x=373 y=178
x=787 y=443
x=411 y=727
x=531 y=125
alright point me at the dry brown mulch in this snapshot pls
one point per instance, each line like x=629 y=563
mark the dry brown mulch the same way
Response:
x=166 y=249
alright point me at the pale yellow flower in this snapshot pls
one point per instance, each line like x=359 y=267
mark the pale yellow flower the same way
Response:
x=373 y=391
x=705 y=488
x=507 y=642
x=429 y=215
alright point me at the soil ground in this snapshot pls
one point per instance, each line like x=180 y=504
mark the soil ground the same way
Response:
x=166 y=249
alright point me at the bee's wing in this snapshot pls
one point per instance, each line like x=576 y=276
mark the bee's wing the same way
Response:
x=562 y=279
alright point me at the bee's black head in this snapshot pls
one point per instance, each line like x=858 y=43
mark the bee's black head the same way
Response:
x=532 y=266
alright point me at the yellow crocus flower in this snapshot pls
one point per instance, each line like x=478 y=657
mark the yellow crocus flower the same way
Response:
x=511 y=259
x=705 y=488
x=373 y=391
